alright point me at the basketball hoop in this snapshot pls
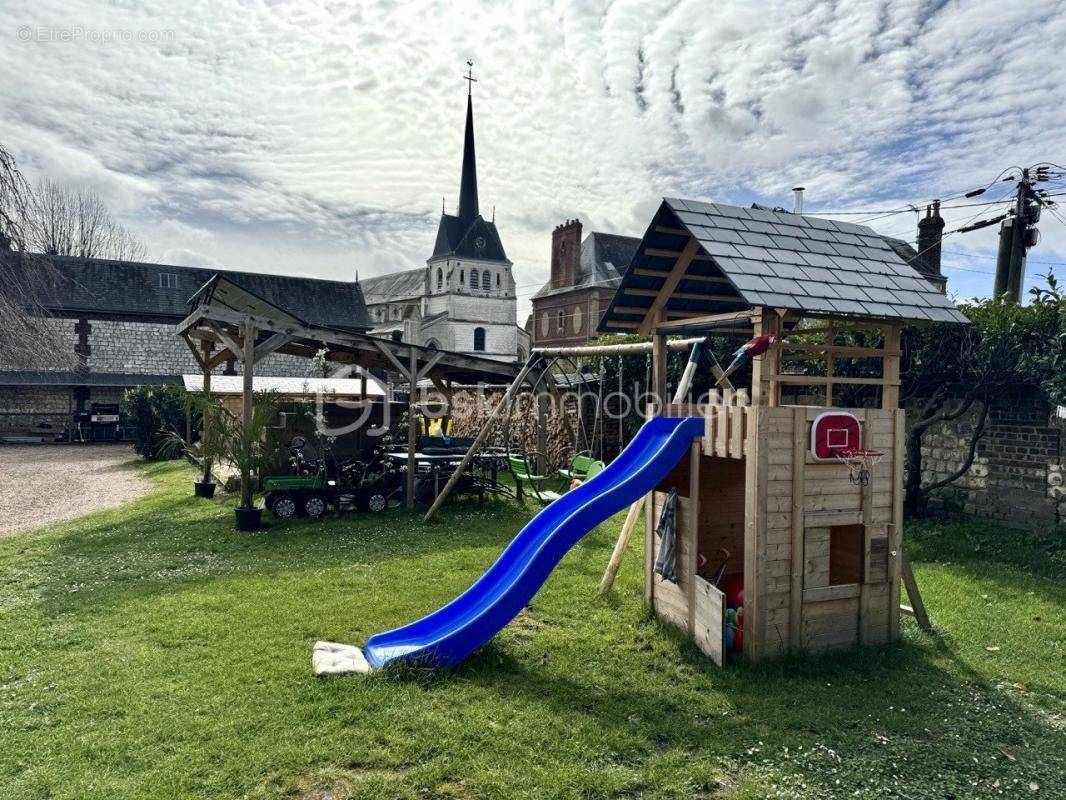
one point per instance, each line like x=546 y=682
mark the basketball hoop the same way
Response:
x=859 y=464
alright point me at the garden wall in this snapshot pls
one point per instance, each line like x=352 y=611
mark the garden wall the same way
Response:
x=1018 y=476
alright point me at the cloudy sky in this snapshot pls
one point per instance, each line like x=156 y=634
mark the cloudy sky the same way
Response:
x=320 y=137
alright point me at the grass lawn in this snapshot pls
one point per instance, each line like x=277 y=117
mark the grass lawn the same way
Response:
x=153 y=652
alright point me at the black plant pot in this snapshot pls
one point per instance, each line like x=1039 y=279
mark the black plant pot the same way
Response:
x=248 y=519
x=202 y=489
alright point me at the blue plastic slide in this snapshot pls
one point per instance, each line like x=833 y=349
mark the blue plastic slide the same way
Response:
x=445 y=637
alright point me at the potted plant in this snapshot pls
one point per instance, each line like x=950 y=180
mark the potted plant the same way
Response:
x=248 y=446
x=171 y=444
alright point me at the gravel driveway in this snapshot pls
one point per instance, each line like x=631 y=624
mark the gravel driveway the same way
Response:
x=41 y=484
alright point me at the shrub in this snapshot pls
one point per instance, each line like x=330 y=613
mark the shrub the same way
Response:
x=152 y=412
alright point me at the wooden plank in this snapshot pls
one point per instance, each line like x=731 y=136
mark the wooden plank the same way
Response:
x=890 y=394
x=692 y=532
x=895 y=537
x=709 y=632
x=657 y=252
x=843 y=591
x=736 y=429
x=247 y=371
x=797 y=519
x=915 y=597
x=707 y=319
x=684 y=258
x=756 y=584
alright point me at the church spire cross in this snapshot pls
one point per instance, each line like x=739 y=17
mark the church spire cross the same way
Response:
x=468 y=206
x=470 y=78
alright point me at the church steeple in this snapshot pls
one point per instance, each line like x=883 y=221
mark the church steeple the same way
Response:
x=468 y=209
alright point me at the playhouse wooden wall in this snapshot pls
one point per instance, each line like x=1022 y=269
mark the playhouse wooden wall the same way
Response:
x=824 y=565
x=821 y=555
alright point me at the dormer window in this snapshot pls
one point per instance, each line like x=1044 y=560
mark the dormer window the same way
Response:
x=168 y=280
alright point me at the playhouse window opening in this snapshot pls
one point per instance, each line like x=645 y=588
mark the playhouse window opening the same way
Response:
x=845 y=554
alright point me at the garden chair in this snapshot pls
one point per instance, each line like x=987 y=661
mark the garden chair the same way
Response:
x=523 y=472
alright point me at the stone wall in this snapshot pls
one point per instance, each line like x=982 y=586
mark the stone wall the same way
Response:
x=151 y=348
x=1018 y=475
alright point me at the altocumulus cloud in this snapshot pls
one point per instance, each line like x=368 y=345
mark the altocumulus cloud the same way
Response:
x=320 y=138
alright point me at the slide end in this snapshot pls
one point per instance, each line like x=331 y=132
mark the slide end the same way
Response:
x=334 y=658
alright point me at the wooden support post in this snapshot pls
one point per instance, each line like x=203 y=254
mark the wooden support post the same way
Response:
x=895 y=532
x=542 y=428
x=658 y=372
x=412 y=424
x=692 y=532
x=917 y=605
x=482 y=435
x=248 y=370
x=890 y=370
x=799 y=464
x=634 y=510
x=205 y=419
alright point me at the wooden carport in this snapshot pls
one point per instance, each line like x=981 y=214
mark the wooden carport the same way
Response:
x=230 y=322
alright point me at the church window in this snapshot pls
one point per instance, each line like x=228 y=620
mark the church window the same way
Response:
x=440 y=279
x=462 y=277
x=497 y=280
x=577 y=319
x=560 y=321
x=486 y=280
x=473 y=279
x=544 y=325
x=479 y=339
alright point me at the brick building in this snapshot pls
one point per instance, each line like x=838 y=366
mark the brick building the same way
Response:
x=118 y=318
x=584 y=276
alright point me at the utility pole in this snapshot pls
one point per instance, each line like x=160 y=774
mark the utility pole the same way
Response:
x=1016 y=236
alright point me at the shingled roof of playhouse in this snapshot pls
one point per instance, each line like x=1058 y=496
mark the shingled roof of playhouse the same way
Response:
x=750 y=257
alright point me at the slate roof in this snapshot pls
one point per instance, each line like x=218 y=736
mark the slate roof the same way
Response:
x=135 y=289
x=102 y=379
x=405 y=285
x=758 y=257
x=478 y=239
x=604 y=258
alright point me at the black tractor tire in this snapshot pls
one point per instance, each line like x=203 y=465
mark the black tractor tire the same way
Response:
x=314 y=506
x=283 y=505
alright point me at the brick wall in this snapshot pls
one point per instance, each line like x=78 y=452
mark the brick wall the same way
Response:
x=1018 y=476
x=582 y=310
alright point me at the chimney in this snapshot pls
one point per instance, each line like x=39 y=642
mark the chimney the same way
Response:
x=797 y=199
x=566 y=253
x=930 y=232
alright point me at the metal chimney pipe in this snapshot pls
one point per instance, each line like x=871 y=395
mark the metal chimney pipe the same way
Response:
x=797 y=195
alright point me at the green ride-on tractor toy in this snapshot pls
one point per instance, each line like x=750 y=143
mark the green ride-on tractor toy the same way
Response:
x=308 y=491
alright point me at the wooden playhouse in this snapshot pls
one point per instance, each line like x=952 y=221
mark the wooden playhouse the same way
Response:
x=804 y=493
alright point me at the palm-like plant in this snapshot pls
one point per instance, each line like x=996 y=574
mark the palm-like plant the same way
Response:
x=245 y=445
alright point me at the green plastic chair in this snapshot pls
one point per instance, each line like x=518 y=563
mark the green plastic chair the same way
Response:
x=522 y=470
x=579 y=467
